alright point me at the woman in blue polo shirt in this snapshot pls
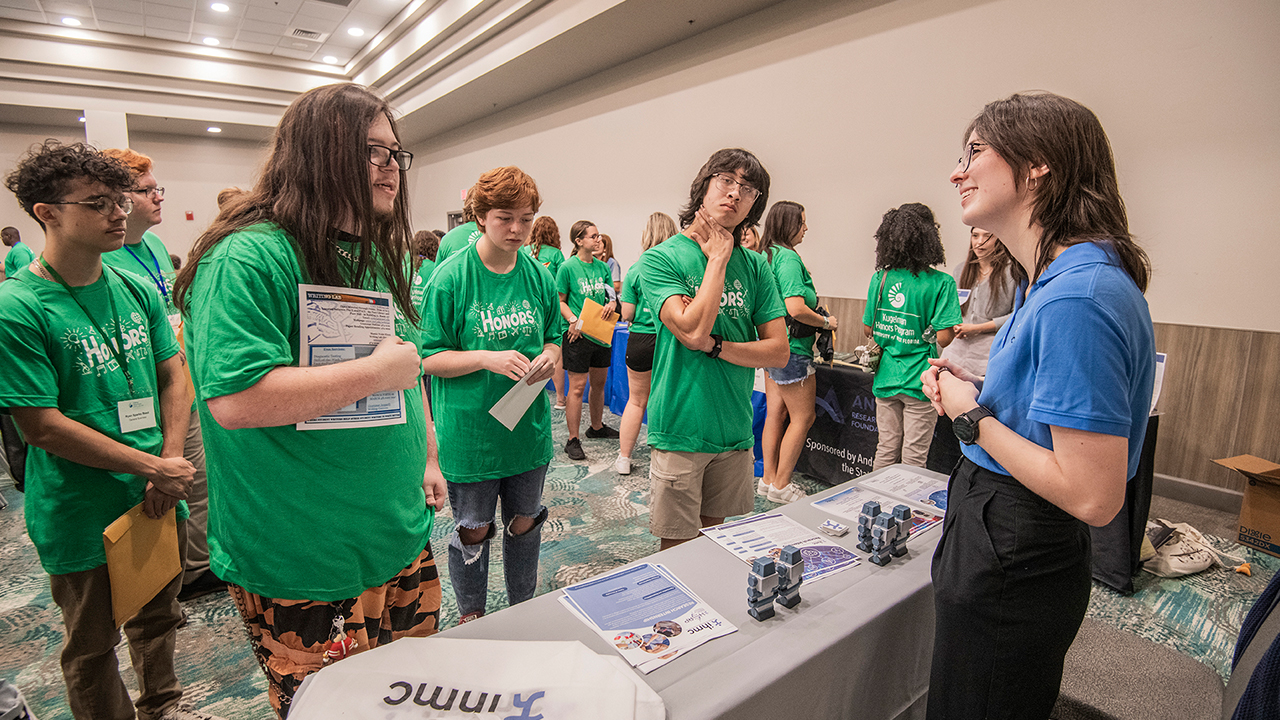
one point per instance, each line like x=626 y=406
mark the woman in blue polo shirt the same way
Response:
x=1054 y=433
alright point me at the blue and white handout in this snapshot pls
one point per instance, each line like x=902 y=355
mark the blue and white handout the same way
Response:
x=339 y=324
x=926 y=497
x=646 y=613
x=761 y=535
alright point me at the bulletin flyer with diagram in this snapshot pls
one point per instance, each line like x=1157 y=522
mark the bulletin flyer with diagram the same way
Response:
x=339 y=324
x=766 y=535
x=646 y=613
x=926 y=496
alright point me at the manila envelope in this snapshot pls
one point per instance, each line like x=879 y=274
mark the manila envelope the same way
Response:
x=591 y=324
x=142 y=558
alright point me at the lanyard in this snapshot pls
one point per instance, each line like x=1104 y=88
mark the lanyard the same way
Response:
x=123 y=360
x=158 y=276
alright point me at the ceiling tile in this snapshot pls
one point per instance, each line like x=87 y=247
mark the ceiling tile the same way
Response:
x=266 y=28
x=20 y=14
x=268 y=15
x=252 y=47
x=319 y=25
x=167 y=12
x=188 y=4
x=222 y=32
x=257 y=38
x=167 y=34
x=296 y=54
x=294 y=43
x=115 y=16
x=217 y=18
x=322 y=10
x=378 y=7
x=133 y=6
x=62 y=7
x=289 y=6
x=166 y=24
x=120 y=28
x=29 y=5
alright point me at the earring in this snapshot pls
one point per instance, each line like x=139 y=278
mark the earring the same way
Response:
x=1032 y=182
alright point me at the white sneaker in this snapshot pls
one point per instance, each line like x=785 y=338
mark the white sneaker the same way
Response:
x=763 y=488
x=622 y=465
x=184 y=711
x=786 y=495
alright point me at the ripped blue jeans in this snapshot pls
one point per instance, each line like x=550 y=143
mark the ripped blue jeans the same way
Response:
x=474 y=506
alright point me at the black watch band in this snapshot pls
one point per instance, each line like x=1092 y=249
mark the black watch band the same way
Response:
x=714 y=352
x=966 y=426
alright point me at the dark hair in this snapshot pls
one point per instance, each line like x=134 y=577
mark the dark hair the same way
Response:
x=506 y=188
x=545 y=232
x=315 y=178
x=999 y=259
x=425 y=245
x=46 y=172
x=729 y=160
x=1078 y=199
x=780 y=226
x=577 y=230
x=908 y=239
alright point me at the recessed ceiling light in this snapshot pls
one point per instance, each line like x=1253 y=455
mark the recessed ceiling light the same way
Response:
x=330 y=59
x=220 y=7
x=76 y=23
x=211 y=41
x=215 y=129
x=355 y=32
x=81 y=118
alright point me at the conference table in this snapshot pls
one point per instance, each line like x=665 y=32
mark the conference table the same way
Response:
x=858 y=645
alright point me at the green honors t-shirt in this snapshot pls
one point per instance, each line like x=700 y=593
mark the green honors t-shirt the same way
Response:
x=908 y=305
x=473 y=308
x=794 y=281
x=578 y=281
x=551 y=258
x=54 y=357
x=418 y=285
x=645 y=322
x=19 y=256
x=456 y=239
x=317 y=514
x=149 y=260
x=698 y=404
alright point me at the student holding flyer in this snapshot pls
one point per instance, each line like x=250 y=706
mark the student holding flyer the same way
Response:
x=493 y=321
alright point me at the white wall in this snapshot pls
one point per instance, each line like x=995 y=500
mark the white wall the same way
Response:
x=854 y=111
x=192 y=170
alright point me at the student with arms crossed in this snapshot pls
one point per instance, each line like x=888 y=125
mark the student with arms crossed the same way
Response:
x=721 y=316
x=323 y=534
x=492 y=319
x=93 y=380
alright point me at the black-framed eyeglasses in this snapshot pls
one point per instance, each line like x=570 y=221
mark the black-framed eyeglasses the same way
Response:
x=104 y=205
x=727 y=183
x=967 y=158
x=381 y=155
x=155 y=192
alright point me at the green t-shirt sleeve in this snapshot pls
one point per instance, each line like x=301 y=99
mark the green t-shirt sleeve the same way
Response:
x=564 y=281
x=789 y=271
x=441 y=333
x=29 y=375
x=868 y=315
x=769 y=305
x=557 y=260
x=630 y=293
x=248 y=332
x=946 y=313
x=555 y=327
x=662 y=280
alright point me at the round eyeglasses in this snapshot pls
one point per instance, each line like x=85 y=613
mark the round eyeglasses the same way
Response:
x=104 y=205
x=727 y=183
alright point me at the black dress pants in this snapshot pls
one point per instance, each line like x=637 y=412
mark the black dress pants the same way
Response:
x=1011 y=586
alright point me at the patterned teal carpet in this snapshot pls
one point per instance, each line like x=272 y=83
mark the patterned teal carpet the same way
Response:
x=597 y=520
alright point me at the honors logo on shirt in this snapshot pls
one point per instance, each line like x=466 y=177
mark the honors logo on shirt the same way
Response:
x=588 y=287
x=897 y=298
x=502 y=321
x=97 y=358
x=733 y=301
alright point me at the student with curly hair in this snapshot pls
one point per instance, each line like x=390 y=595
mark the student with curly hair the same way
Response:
x=912 y=310
x=93 y=378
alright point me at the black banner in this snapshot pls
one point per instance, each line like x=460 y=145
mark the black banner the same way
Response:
x=842 y=442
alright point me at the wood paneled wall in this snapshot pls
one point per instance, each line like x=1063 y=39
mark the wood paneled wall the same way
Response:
x=1221 y=394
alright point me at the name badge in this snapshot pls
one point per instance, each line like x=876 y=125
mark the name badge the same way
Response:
x=137 y=414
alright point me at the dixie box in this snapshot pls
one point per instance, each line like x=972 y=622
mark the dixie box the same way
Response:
x=1260 y=511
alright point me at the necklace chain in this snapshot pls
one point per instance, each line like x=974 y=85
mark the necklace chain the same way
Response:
x=343 y=252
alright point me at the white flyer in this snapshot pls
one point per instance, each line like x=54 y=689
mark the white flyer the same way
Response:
x=848 y=504
x=646 y=613
x=911 y=486
x=515 y=403
x=339 y=324
x=761 y=535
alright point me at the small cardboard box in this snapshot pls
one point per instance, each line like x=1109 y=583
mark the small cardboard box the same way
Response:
x=1260 y=511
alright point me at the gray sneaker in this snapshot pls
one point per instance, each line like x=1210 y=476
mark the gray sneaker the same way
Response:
x=184 y=711
x=573 y=449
